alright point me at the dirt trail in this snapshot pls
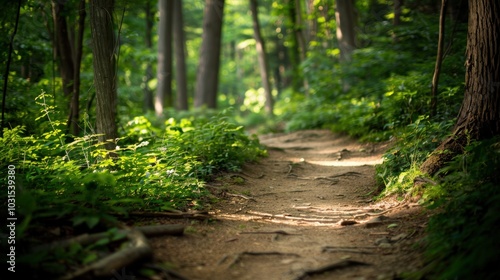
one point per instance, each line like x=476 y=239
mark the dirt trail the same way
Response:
x=304 y=212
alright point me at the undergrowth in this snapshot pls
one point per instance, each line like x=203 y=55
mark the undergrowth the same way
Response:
x=67 y=180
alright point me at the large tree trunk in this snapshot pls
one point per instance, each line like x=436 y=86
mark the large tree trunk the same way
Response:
x=164 y=90
x=207 y=77
x=479 y=116
x=180 y=57
x=104 y=62
x=261 y=53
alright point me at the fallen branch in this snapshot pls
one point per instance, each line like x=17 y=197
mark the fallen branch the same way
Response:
x=330 y=267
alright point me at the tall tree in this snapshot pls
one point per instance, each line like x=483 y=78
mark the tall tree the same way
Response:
x=345 y=15
x=164 y=90
x=207 y=77
x=346 y=19
x=439 y=59
x=104 y=62
x=68 y=45
x=148 y=93
x=261 y=54
x=180 y=57
x=479 y=115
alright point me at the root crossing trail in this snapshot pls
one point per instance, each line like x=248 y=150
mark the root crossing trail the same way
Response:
x=303 y=212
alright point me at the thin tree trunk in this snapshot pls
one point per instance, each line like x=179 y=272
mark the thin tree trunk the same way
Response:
x=345 y=16
x=164 y=90
x=63 y=46
x=7 y=68
x=207 y=77
x=479 y=116
x=74 y=115
x=104 y=62
x=148 y=93
x=439 y=59
x=261 y=54
x=180 y=57
x=346 y=22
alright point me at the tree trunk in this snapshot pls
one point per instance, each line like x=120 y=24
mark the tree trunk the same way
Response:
x=261 y=54
x=293 y=48
x=345 y=15
x=207 y=77
x=479 y=116
x=148 y=93
x=164 y=90
x=74 y=108
x=439 y=60
x=180 y=57
x=398 y=4
x=63 y=46
x=104 y=62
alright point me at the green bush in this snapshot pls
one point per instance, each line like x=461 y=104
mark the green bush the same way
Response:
x=462 y=240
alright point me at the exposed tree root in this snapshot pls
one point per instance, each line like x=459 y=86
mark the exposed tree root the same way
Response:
x=138 y=248
x=200 y=215
x=238 y=257
x=86 y=239
x=330 y=267
x=268 y=232
x=356 y=250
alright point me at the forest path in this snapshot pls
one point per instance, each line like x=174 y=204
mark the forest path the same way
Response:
x=303 y=212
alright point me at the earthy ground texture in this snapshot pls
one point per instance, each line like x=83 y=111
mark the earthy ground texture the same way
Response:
x=304 y=212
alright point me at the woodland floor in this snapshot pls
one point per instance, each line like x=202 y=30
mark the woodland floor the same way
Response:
x=304 y=212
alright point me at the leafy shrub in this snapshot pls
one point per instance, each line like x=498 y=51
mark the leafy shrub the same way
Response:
x=413 y=145
x=463 y=239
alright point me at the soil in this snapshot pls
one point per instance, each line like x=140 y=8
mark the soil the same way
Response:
x=304 y=212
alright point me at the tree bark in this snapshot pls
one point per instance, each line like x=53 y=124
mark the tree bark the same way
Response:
x=207 y=77
x=74 y=107
x=104 y=62
x=180 y=57
x=148 y=93
x=164 y=90
x=63 y=46
x=345 y=15
x=261 y=54
x=479 y=115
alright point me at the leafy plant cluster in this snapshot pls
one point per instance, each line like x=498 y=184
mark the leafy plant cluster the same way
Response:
x=74 y=181
x=462 y=240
